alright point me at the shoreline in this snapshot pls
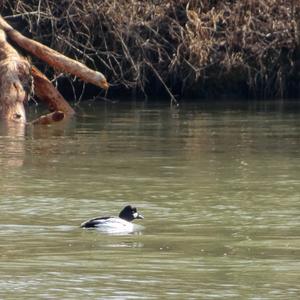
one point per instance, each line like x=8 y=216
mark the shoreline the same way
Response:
x=242 y=49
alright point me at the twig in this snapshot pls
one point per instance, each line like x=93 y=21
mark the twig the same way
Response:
x=173 y=99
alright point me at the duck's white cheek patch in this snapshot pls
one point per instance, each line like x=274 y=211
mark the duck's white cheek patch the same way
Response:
x=135 y=215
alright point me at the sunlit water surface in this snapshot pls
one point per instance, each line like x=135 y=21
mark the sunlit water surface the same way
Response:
x=218 y=185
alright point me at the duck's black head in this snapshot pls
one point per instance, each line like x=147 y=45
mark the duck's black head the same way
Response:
x=129 y=213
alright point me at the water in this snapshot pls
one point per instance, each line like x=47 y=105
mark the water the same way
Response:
x=218 y=185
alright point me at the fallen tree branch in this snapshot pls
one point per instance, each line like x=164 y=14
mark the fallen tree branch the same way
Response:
x=55 y=59
x=50 y=118
x=46 y=92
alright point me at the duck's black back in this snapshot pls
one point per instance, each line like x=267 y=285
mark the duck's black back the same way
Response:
x=93 y=222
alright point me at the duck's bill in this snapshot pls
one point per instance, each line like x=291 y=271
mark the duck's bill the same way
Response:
x=138 y=216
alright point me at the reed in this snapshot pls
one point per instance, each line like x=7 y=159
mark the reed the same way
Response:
x=187 y=48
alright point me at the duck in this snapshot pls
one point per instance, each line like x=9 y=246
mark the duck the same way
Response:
x=122 y=223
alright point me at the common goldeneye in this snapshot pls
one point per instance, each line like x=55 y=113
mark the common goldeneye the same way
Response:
x=116 y=224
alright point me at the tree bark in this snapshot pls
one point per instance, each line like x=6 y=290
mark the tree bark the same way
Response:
x=15 y=82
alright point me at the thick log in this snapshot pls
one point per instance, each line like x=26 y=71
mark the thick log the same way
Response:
x=55 y=59
x=15 y=82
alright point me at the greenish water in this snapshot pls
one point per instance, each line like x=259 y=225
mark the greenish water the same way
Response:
x=219 y=186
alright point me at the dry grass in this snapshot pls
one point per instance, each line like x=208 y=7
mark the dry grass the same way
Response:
x=201 y=48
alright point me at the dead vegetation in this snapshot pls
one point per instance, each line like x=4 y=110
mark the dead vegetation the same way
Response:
x=200 y=48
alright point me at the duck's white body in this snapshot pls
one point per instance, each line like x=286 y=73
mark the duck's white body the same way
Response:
x=112 y=224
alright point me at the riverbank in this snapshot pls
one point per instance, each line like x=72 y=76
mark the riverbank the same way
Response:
x=183 y=48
